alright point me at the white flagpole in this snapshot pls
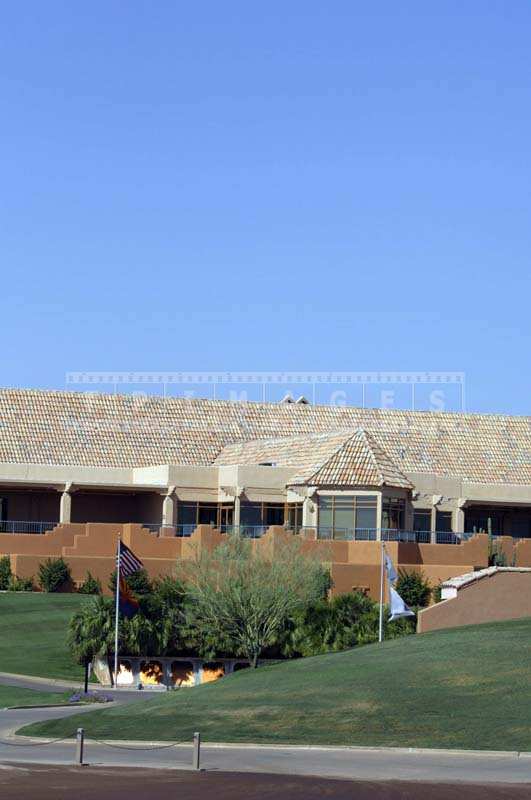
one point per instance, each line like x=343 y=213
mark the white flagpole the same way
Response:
x=117 y=613
x=380 y=626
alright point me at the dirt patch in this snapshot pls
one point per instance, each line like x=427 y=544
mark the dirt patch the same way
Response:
x=93 y=783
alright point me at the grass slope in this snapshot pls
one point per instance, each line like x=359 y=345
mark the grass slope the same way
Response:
x=33 y=630
x=15 y=696
x=466 y=688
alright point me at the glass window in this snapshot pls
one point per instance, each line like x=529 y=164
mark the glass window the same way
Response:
x=273 y=514
x=207 y=514
x=443 y=521
x=187 y=513
x=366 y=517
x=393 y=509
x=341 y=515
x=251 y=513
x=344 y=513
x=326 y=513
x=422 y=519
x=480 y=521
x=295 y=516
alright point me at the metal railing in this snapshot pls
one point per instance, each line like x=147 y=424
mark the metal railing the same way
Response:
x=388 y=535
x=186 y=530
x=20 y=526
x=347 y=534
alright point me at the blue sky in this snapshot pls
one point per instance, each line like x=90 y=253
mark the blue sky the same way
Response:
x=280 y=186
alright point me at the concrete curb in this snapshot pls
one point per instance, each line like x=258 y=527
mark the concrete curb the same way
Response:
x=46 y=681
x=425 y=751
x=47 y=705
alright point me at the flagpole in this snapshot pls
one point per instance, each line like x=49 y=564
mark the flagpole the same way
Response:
x=380 y=624
x=117 y=613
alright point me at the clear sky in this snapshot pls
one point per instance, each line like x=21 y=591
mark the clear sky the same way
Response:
x=274 y=186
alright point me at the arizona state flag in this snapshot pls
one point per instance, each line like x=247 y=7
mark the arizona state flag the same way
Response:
x=127 y=602
x=127 y=564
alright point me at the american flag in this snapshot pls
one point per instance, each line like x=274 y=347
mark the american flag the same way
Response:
x=126 y=561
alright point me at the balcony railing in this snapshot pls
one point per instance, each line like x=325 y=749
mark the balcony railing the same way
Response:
x=347 y=534
x=257 y=531
x=19 y=526
x=389 y=535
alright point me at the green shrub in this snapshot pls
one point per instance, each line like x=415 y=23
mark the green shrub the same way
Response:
x=413 y=588
x=20 y=584
x=5 y=572
x=436 y=593
x=54 y=573
x=90 y=585
x=338 y=624
x=138 y=582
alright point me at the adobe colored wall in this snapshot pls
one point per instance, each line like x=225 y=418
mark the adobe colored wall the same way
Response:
x=501 y=596
x=92 y=547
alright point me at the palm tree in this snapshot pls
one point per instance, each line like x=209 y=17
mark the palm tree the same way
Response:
x=91 y=630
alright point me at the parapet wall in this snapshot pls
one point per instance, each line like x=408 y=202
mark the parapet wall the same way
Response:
x=353 y=565
x=493 y=598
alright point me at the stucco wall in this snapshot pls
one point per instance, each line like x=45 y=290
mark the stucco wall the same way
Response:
x=92 y=546
x=501 y=596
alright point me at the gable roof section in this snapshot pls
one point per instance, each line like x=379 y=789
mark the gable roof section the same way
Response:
x=358 y=461
x=305 y=454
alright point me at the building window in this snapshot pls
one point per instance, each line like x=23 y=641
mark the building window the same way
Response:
x=443 y=521
x=262 y=514
x=484 y=521
x=422 y=519
x=294 y=516
x=190 y=514
x=341 y=515
x=393 y=510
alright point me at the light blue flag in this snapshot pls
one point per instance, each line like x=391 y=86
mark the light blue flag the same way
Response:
x=389 y=568
x=397 y=606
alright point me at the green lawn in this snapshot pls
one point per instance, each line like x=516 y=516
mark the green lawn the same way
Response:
x=13 y=696
x=33 y=630
x=463 y=688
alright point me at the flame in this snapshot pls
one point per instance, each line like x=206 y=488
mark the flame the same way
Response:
x=212 y=672
x=125 y=674
x=182 y=673
x=151 y=673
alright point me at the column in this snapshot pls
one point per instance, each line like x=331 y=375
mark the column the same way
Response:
x=65 y=506
x=237 y=507
x=458 y=522
x=168 y=508
x=379 y=517
x=309 y=509
x=436 y=499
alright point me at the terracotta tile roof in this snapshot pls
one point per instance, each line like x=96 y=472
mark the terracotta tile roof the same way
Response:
x=324 y=459
x=75 y=428
x=306 y=453
x=359 y=461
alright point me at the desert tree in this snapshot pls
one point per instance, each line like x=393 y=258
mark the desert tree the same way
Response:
x=243 y=592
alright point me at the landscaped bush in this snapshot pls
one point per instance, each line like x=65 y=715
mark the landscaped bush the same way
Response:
x=90 y=585
x=54 y=573
x=20 y=584
x=413 y=588
x=339 y=624
x=5 y=572
x=138 y=582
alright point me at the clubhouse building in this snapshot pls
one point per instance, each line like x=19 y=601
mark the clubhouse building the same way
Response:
x=76 y=469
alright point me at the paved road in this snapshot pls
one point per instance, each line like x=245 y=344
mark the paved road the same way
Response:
x=347 y=763
x=353 y=764
x=50 y=783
